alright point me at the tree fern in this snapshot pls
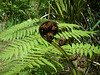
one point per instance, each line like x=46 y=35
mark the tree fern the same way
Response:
x=29 y=49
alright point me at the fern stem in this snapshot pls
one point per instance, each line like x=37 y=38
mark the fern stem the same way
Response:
x=71 y=66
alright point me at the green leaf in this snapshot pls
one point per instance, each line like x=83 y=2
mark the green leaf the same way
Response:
x=81 y=51
x=35 y=42
x=86 y=52
x=31 y=44
x=16 y=53
x=21 y=51
x=90 y=53
x=28 y=46
x=78 y=50
x=24 y=49
x=61 y=34
x=48 y=63
x=58 y=64
x=45 y=42
x=77 y=45
x=35 y=64
x=40 y=41
x=92 y=47
x=40 y=62
x=30 y=65
x=65 y=35
x=73 y=48
x=81 y=45
x=68 y=34
x=57 y=36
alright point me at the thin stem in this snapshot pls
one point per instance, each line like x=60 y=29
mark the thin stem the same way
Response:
x=71 y=66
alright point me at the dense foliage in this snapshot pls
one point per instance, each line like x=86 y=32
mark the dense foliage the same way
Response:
x=24 y=50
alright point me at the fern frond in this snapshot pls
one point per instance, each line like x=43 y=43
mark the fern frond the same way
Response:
x=83 y=49
x=26 y=28
x=30 y=49
x=69 y=30
x=21 y=47
x=35 y=58
x=68 y=26
x=17 y=30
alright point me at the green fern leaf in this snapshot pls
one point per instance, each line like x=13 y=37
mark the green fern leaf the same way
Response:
x=35 y=42
x=61 y=35
x=45 y=42
x=59 y=64
x=81 y=45
x=21 y=51
x=20 y=30
x=48 y=63
x=31 y=44
x=35 y=64
x=57 y=36
x=40 y=41
x=73 y=48
x=39 y=62
x=86 y=52
x=30 y=66
x=68 y=34
x=81 y=51
x=16 y=53
x=65 y=35
x=90 y=53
